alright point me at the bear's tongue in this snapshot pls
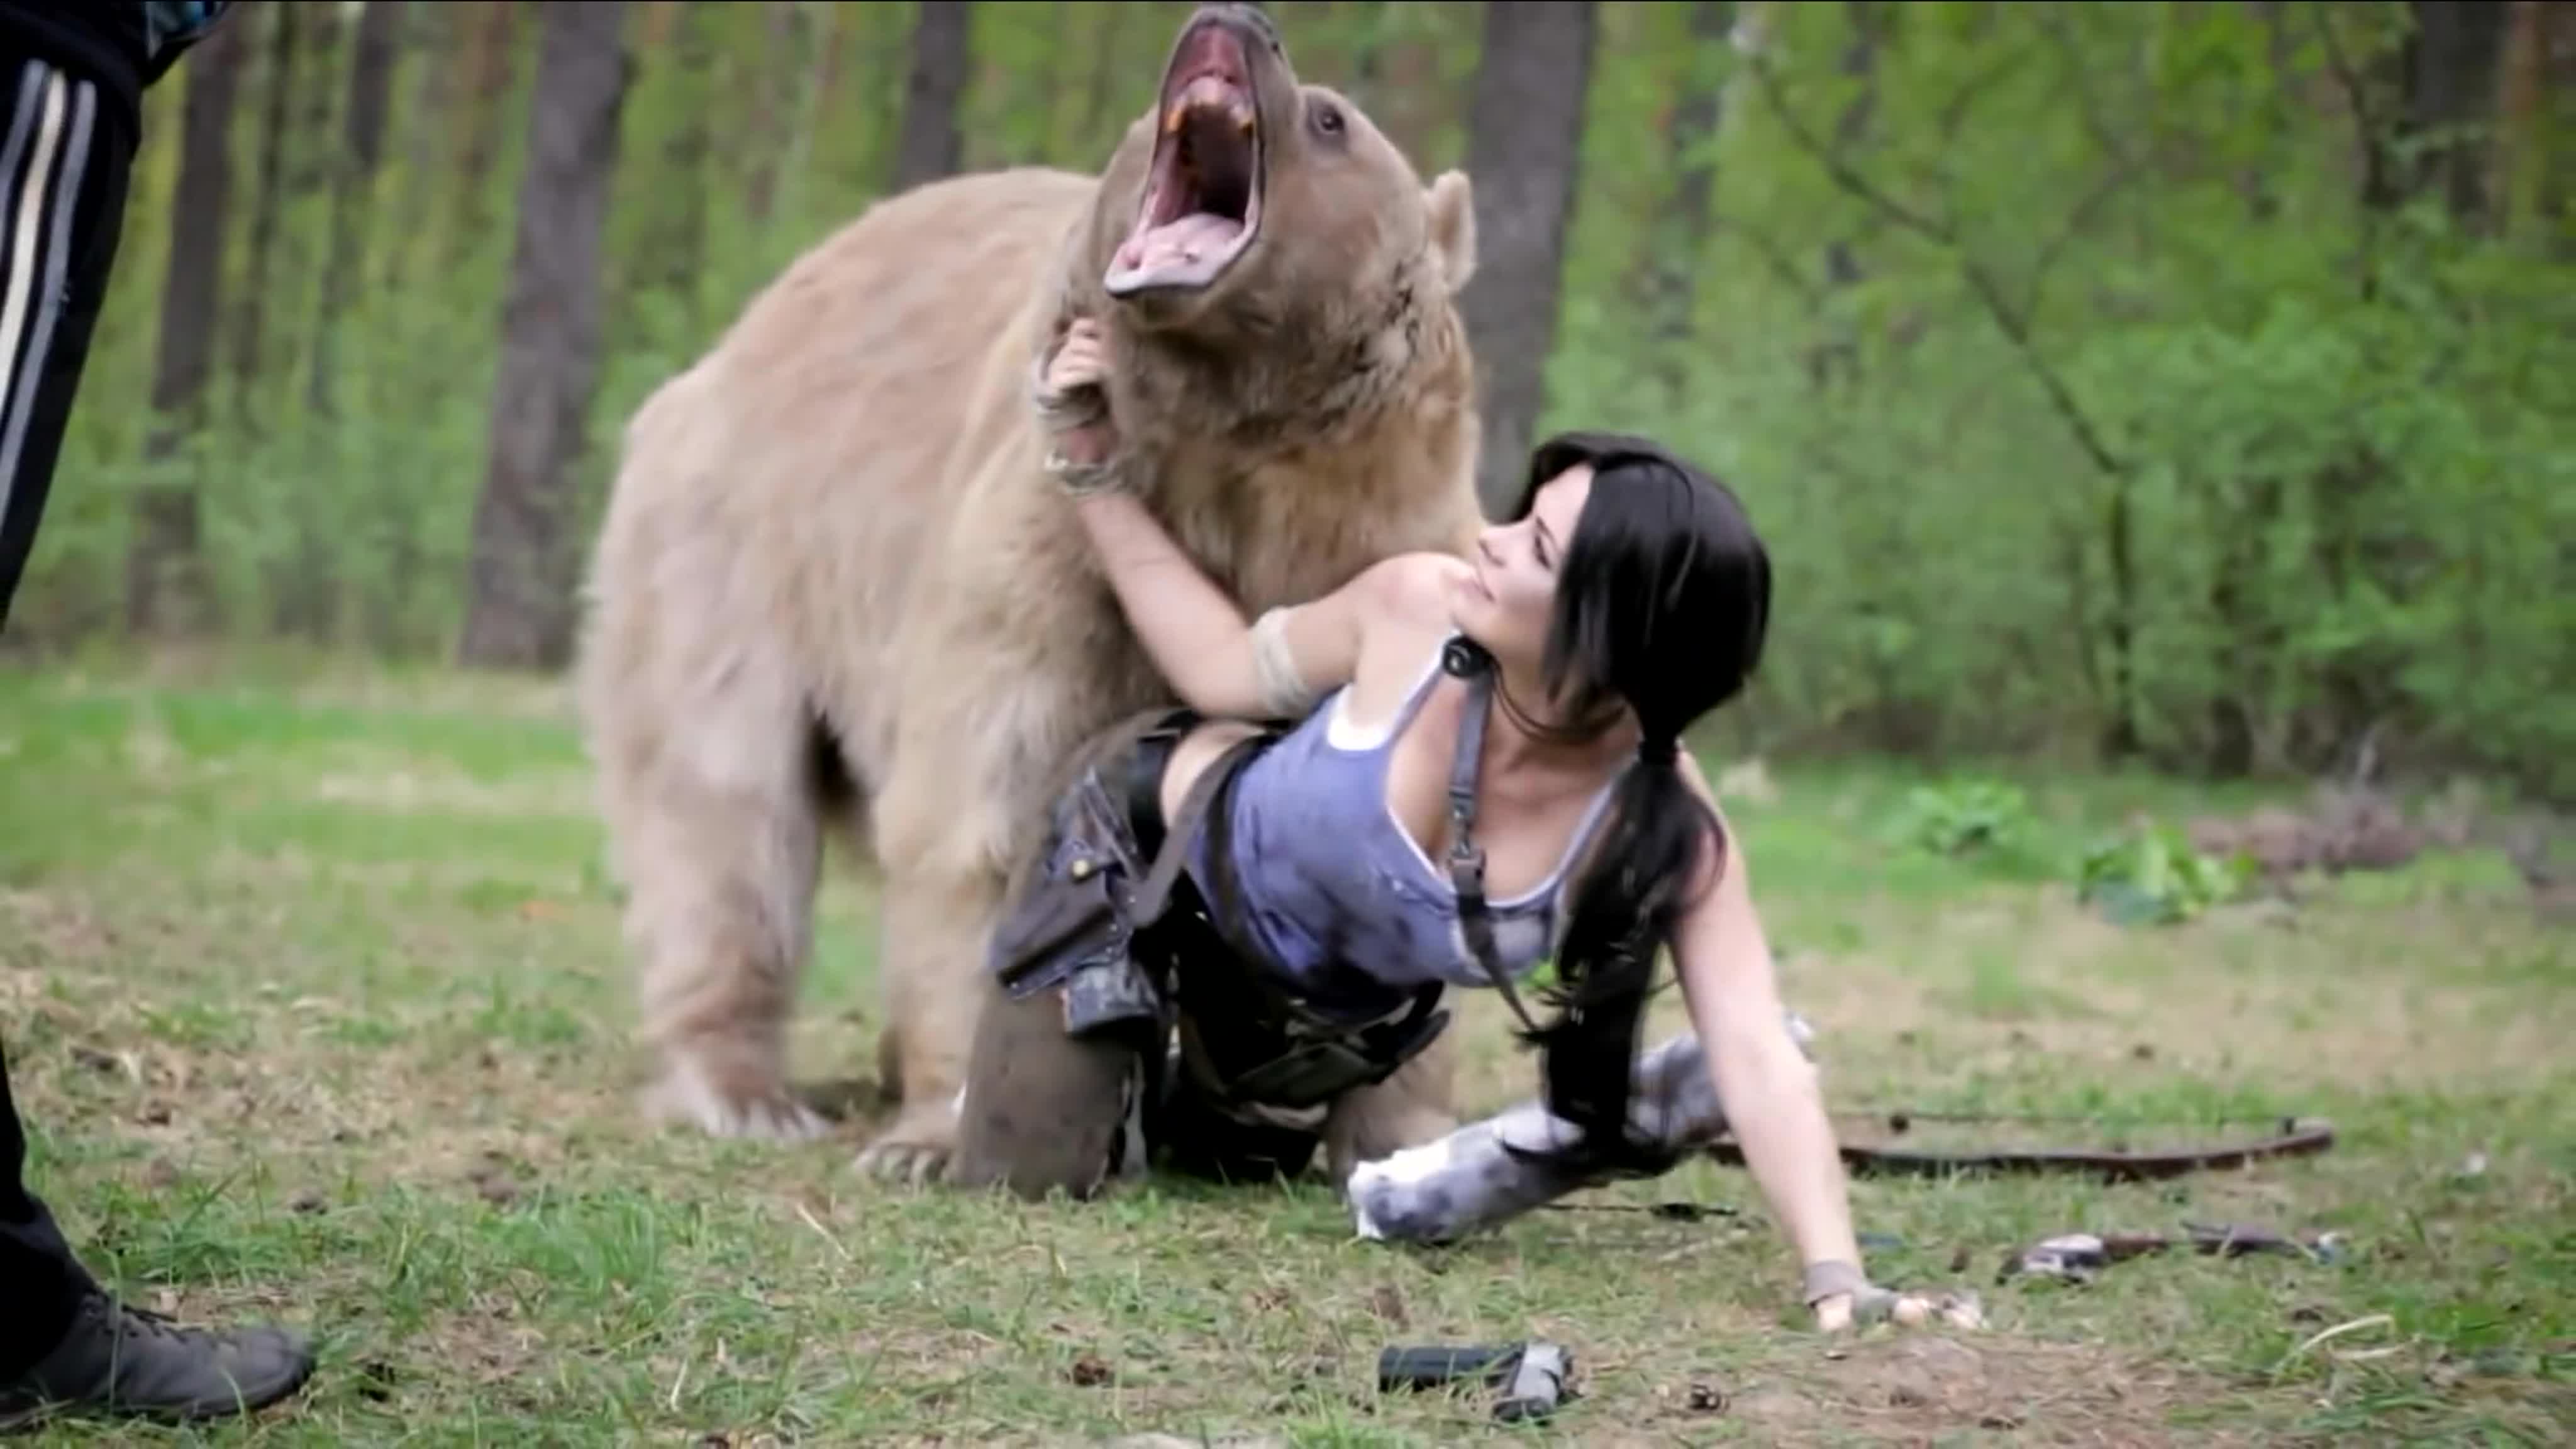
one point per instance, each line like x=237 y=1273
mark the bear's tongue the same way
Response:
x=1194 y=238
x=1202 y=197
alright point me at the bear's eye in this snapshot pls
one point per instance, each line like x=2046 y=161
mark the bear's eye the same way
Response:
x=1328 y=118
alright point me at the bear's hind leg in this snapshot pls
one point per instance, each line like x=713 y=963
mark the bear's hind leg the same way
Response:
x=718 y=841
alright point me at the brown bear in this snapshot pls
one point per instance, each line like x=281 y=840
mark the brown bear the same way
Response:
x=835 y=584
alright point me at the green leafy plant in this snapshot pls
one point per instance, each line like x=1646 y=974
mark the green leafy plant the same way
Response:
x=1965 y=818
x=2153 y=877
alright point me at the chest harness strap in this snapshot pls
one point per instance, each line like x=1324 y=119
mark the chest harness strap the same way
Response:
x=1466 y=858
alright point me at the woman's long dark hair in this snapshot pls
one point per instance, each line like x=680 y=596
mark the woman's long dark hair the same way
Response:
x=1663 y=597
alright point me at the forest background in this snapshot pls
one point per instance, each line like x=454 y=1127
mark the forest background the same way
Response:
x=2191 y=386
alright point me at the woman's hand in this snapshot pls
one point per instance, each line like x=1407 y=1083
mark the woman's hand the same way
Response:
x=1870 y=1303
x=1070 y=397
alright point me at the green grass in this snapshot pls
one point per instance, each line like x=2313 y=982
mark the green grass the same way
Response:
x=313 y=999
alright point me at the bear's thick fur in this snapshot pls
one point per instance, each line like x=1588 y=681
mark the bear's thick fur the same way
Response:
x=835 y=586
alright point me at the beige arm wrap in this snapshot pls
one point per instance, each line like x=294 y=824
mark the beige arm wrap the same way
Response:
x=1285 y=694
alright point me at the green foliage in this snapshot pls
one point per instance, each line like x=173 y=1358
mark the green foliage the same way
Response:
x=1966 y=818
x=2109 y=272
x=2151 y=876
x=2079 y=392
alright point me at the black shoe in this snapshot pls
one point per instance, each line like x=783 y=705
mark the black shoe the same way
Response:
x=126 y=1361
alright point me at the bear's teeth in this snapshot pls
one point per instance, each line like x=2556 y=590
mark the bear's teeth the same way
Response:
x=1209 y=93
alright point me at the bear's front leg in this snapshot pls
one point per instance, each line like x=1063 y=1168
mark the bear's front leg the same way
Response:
x=938 y=918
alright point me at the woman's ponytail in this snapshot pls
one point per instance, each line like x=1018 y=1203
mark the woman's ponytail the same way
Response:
x=1663 y=599
x=1621 y=913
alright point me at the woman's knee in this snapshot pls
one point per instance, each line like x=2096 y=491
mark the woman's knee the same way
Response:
x=1042 y=1111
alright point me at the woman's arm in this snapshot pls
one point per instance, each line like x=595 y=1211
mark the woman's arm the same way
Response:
x=1767 y=1087
x=1198 y=638
x=1274 y=668
x=1765 y=1084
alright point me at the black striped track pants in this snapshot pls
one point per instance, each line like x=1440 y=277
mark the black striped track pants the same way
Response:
x=64 y=168
x=64 y=165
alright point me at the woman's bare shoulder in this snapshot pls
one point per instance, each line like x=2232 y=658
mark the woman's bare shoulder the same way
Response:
x=1403 y=623
x=1411 y=590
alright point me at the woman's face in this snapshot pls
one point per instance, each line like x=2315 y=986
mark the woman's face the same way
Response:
x=1504 y=599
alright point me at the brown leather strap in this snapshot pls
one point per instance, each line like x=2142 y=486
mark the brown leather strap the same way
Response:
x=1156 y=888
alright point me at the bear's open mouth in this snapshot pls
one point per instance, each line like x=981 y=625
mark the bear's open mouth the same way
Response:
x=1202 y=202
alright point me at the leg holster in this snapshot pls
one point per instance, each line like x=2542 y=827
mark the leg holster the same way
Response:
x=1074 y=913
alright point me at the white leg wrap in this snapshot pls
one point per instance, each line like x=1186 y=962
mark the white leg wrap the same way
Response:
x=1467 y=1181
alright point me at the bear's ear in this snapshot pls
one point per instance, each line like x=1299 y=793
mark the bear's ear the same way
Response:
x=1453 y=228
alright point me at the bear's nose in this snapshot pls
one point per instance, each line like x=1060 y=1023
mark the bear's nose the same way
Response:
x=1250 y=20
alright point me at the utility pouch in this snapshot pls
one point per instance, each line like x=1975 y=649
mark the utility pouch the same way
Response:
x=1063 y=921
x=1071 y=923
x=1075 y=915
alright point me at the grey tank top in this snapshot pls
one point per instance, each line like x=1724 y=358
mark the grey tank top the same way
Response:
x=1338 y=894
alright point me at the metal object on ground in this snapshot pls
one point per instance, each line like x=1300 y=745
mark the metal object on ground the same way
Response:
x=1532 y=1375
x=2080 y=1257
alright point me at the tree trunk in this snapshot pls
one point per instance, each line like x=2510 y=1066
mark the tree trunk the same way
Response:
x=1525 y=131
x=2448 y=86
x=250 y=320
x=300 y=582
x=437 y=45
x=672 y=253
x=519 y=605
x=1102 y=124
x=2515 y=170
x=1354 y=26
x=353 y=187
x=1673 y=290
x=310 y=586
x=2431 y=142
x=830 y=146
x=1400 y=86
x=166 y=588
x=931 y=146
x=1836 y=356
x=774 y=107
x=487 y=69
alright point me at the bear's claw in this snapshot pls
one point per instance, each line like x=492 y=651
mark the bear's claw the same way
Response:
x=915 y=1151
x=686 y=1095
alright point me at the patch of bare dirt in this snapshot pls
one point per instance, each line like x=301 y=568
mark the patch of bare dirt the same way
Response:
x=42 y=927
x=1922 y=1388
x=2342 y=829
x=488 y=1120
x=2359 y=828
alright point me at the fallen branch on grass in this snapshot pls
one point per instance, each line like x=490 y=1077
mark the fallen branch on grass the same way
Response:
x=1482 y=1175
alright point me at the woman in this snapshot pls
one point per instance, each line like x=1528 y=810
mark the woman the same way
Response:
x=1561 y=663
